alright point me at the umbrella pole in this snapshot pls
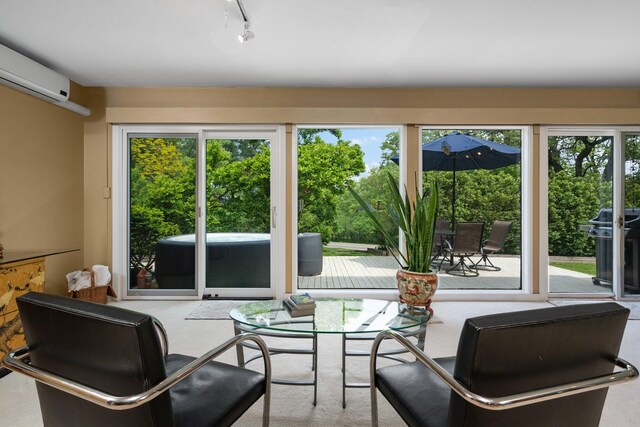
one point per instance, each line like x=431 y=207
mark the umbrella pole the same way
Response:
x=453 y=197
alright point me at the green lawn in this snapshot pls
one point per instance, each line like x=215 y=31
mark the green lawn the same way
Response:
x=581 y=267
x=343 y=252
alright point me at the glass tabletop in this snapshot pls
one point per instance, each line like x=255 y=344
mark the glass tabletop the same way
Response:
x=332 y=315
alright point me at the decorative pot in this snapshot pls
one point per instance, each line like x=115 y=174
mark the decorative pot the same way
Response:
x=417 y=289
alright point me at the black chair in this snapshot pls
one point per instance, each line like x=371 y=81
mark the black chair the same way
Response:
x=466 y=242
x=99 y=365
x=547 y=367
x=441 y=231
x=493 y=244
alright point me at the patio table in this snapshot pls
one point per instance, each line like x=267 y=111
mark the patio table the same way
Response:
x=353 y=318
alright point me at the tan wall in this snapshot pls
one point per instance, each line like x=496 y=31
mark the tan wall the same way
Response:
x=41 y=181
x=329 y=106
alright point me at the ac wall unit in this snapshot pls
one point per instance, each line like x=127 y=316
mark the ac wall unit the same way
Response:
x=27 y=75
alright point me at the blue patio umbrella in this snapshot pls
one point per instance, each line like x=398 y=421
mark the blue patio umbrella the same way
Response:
x=458 y=152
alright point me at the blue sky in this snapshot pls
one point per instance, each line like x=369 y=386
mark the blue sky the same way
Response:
x=369 y=140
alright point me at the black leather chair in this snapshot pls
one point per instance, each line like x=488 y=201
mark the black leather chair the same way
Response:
x=547 y=367
x=98 y=365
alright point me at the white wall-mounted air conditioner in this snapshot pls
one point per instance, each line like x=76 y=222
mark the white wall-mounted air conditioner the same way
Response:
x=28 y=76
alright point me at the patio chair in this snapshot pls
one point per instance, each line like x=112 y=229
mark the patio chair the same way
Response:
x=466 y=242
x=546 y=367
x=493 y=244
x=100 y=366
x=442 y=229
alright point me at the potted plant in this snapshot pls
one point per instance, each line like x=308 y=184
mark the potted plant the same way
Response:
x=416 y=220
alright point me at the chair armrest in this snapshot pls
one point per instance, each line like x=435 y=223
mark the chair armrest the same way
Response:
x=162 y=334
x=15 y=362
x=628 y=373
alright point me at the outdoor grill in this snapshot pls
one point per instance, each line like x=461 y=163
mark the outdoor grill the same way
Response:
x=601 y=227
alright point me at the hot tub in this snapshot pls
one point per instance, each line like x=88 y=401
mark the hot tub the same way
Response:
x=234 y=260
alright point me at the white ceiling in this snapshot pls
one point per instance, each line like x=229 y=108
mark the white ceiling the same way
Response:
x=332 y=43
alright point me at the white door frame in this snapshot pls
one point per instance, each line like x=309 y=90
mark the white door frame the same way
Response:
x=120 y=203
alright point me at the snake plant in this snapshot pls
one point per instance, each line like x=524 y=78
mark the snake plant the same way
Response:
x=415 y=219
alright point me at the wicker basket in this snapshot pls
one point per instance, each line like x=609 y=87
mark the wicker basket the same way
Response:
x=95 y=293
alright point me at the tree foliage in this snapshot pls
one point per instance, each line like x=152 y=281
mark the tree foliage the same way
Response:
x=323 y=171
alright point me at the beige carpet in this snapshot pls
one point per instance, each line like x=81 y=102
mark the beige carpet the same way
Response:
x=215 y=310
x=634 y=307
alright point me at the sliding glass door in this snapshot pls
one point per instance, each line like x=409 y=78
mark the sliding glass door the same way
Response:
x=593 y=211
x=630 y=286
x=240 y=216
x=580 y=211
x=201 y=212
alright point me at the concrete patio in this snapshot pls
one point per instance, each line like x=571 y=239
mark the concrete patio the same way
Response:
x=378 y=272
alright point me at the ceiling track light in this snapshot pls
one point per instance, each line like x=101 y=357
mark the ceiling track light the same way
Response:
x=247 y=34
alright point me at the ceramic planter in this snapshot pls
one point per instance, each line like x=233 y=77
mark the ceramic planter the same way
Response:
x=417 y=289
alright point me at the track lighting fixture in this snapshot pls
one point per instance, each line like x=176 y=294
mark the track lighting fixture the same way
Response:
x=247 y=34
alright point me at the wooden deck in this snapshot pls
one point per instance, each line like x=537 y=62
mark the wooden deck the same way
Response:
x=378 y=272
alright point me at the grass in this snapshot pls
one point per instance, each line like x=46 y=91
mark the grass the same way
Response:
x=581 y=267
x=343 y=252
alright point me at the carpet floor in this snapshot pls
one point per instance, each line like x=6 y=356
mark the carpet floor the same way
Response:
x=633 y=306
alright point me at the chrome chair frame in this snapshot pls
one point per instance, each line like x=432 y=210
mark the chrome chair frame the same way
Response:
x=500 y=403
x=419 y=332
x=16 y=362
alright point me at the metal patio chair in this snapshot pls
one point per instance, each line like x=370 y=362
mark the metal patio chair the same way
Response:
x=493 y=244
x=442 y=230
x=466 y=242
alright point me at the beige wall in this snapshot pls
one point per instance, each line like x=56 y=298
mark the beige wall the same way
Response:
x=41 y=181
x=327 y=106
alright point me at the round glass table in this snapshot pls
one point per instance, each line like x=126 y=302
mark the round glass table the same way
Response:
x=354 y=318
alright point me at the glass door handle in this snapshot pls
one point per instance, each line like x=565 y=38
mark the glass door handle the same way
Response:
x=273 y=217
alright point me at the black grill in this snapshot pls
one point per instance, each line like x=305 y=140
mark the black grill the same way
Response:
x=601 y=227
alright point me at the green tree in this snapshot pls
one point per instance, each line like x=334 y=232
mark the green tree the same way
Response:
x=352 y=223
x=309 y=136
x=572 y=202
x=162 y=194
x=323 y=171
x=147 y=226
x=390 y=147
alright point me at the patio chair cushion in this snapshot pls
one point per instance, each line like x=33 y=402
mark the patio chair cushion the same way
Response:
x=225 y=390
